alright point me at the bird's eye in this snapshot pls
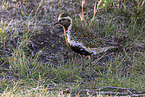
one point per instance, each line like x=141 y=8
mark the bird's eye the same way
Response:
x=63 y=19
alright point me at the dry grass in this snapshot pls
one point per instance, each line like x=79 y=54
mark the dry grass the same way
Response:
x=35 y=61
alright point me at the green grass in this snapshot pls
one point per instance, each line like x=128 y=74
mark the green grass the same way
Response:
x=36 y=62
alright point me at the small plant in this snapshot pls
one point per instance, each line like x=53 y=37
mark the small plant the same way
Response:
x=23 y=74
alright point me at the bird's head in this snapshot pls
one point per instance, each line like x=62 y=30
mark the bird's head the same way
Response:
x=65 y=20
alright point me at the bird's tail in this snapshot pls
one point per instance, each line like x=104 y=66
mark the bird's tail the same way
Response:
x=113 y=45
x=104 y=49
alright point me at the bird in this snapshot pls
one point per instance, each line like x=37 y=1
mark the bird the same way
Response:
x=81 y=40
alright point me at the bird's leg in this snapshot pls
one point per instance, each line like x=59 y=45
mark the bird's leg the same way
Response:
x=90 y=62
x=82 y=64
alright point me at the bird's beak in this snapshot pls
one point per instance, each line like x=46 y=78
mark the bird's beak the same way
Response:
x=57 y=22
x=54 y=24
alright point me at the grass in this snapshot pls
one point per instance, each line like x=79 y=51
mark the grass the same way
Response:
x=35 y=61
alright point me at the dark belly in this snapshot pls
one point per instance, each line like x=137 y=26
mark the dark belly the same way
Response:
x=80 y=50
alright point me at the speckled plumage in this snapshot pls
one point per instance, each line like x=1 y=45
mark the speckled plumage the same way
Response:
x=86 y=37
x=82 y=40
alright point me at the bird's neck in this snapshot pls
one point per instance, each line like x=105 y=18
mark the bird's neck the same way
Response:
x=68 y=31
x=68 y=24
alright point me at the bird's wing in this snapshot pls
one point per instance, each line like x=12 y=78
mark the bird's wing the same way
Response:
x=87 y=38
